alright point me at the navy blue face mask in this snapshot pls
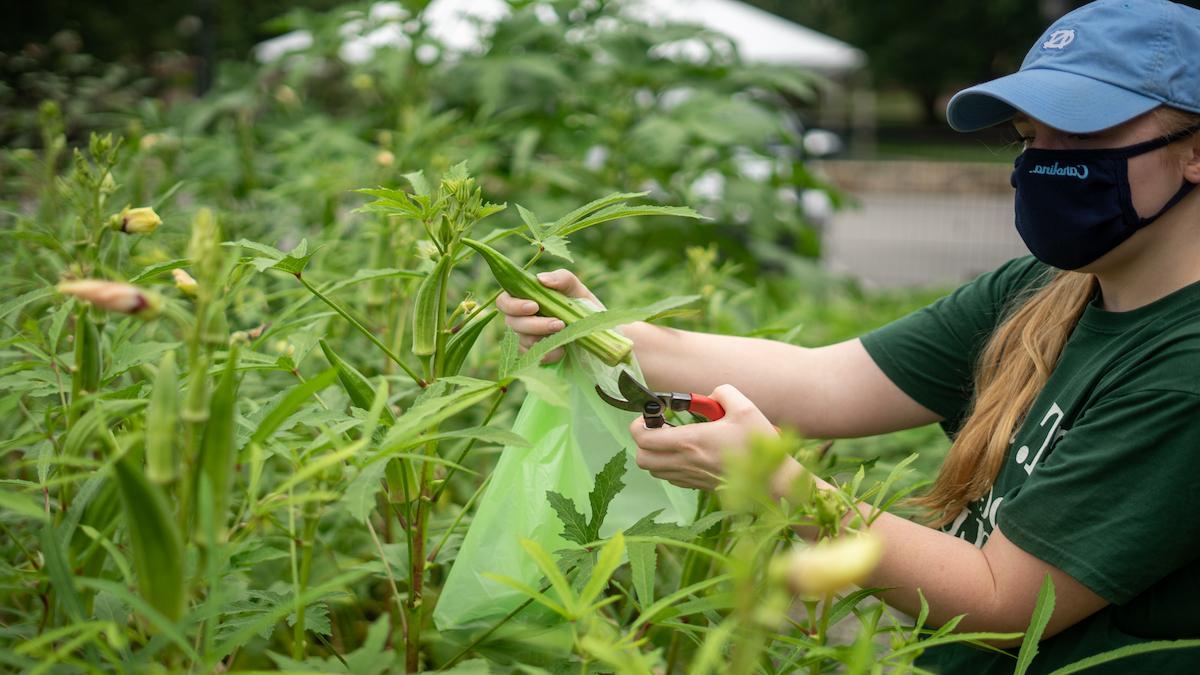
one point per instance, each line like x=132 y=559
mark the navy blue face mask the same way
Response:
x=1073 y=206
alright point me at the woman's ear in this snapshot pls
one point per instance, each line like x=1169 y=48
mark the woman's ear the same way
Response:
x=1191 y=168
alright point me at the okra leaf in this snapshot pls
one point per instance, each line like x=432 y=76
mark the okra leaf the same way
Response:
x=531 y=221
x=608 y=485
x=316 y=619
x=417 y=180
x=295 y=261
x=290 y=403
x=576 y=215
x=618 y=211
x=509 y=354
x=646 y=527
x=261 y=249
x=132 y=354
x=557 y=246
x=575 y=526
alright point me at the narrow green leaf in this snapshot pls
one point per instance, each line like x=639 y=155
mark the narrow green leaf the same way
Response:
x=618 y=211
x=159 y=269
x=23 y=300
x=557 y=581
x=22 y=505
x=59 y=571
x=606 y=563
x=643 y=561
x=290 y=403
x=530 y=591
x=596 y=205
x=1037 y=625
x=1124 y=652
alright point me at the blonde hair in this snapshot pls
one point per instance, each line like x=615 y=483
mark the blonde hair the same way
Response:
x=1013 y=368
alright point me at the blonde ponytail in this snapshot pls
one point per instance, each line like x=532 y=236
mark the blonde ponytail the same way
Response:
x=1013 y=368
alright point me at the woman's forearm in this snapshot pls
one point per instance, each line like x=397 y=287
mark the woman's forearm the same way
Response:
x=834 y=391
x=954 y=576
x=769 y=373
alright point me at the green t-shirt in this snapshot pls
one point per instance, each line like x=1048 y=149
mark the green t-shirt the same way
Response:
x=1102 y=480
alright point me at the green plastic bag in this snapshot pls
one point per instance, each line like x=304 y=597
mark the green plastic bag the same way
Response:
x=568 y=447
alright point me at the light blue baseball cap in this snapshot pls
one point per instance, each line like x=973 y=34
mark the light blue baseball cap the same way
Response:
x=1096 y=67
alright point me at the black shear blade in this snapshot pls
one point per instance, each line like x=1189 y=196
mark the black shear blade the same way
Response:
x=634 y=391
x=616 y=402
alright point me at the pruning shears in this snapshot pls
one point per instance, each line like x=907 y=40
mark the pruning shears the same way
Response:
x=651 y=404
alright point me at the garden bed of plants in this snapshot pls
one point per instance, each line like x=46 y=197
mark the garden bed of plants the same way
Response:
x=253 y=387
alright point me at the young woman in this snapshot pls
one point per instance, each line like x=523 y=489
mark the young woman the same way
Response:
x=1069 y=380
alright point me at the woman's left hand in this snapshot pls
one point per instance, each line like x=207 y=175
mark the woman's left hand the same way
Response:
x=692 y=456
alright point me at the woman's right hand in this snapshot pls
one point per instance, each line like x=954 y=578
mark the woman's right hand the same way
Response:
x=520 y=314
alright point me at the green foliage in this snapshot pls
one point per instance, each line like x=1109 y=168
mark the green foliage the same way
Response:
x=265 y=475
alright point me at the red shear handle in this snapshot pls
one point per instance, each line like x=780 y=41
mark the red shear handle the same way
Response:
x=707 y=407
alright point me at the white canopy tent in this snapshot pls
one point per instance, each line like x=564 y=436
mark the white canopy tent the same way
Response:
x=760 y=37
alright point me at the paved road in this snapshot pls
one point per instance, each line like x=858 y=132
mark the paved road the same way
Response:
x=913 y=239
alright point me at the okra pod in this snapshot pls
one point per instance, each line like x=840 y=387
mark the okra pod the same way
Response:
x=610 y=346
x=460 y=345
x=155 y=539
x=425 y=318
x=161 y=420
x=217 y=444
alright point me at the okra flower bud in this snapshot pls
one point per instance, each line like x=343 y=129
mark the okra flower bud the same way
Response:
x=142 y=220
x=831 y=565
x=385 y=158
x=114 y=296
x=184 y=282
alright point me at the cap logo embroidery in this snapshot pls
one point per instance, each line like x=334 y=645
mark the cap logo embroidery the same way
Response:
x=1059 y=39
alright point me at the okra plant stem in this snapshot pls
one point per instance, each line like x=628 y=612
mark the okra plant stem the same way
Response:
x=364 y=330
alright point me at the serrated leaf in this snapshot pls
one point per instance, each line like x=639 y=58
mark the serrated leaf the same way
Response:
x=608 y=485
x=133 y=354
x=575 y=525
x=360 y=493
x=295 y=261
x=530 y=221
x=509 y=354
x=261 y=249
x=316 y=619
x=557 y=246
x=417 y=180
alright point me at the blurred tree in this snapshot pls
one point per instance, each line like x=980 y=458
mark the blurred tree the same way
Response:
x=136 y=31
x=931 y=49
